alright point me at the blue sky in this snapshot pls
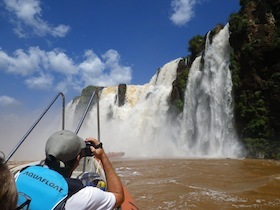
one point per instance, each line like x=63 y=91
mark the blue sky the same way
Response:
x=53 y=46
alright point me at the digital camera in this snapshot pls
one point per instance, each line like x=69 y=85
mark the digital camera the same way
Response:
x=87 y=150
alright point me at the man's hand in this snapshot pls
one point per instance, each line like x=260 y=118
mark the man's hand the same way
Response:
x=97 y=152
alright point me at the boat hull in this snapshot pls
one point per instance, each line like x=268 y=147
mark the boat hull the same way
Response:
x=95 y=165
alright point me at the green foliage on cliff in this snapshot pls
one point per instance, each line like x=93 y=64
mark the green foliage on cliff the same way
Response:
x=234 y=67
x=252 y=108
x=257 y=147
x=196 y=45
x=255 y=68
x=86 y=95
x=182 y=80
x=238 y=24
x=179 y=85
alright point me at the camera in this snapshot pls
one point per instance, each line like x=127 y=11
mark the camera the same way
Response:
x=87 y=150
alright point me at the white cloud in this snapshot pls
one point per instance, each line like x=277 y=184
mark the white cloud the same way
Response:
x=60 y=31
x=104 y=71
x=60 y=62
x=8 y=101
x=22 y=63
x=118 y=72
x=28 y=15
x=92 y=65
x=91 y=68
x=182 y=11
x=56 y=70
x=40 y=82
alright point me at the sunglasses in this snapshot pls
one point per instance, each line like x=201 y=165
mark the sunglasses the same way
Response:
x=23 y=201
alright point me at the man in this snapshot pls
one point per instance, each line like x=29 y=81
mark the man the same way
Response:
x=64 y=149
x=8 y=192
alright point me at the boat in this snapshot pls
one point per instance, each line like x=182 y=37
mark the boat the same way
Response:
x=90 y=164
x=115 y=154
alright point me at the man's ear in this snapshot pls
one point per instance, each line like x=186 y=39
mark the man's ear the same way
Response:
x=79 y=157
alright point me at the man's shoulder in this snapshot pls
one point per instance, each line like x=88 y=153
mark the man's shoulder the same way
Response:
x=91 y=198
x=74 y=185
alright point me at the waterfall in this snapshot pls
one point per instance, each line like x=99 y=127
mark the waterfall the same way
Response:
x=207 y=127
x=142 y=127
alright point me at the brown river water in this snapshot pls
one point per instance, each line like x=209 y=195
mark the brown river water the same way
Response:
x=201 y=183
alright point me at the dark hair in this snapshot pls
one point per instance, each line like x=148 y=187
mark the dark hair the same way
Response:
x=54 y=164
x=8 y=191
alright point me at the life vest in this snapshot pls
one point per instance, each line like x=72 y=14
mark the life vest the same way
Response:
x=47 y=188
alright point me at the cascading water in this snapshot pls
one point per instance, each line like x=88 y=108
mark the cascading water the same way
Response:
x=207 y=127
x=142 y=126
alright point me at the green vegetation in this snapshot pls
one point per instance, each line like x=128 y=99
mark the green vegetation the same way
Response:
x=196 y=45
x=255 y=39
x=234 y=67
x=86 y=94
x=181 y=83
x=238 y=24
x=254 y=114
x=257 y=147
x=182 y=80
x=179 y=105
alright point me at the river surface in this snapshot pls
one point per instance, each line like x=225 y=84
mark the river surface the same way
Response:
x=201 y=183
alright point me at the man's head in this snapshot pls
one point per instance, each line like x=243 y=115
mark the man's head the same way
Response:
x=64 y=145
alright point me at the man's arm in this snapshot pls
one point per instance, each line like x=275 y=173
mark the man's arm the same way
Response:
x=114 y=184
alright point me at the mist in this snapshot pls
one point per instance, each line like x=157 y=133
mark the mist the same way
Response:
x=16 y=127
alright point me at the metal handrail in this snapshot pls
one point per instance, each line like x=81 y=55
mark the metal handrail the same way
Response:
x=98 y=116
x=86 y=111
x=95 y=92
x=37 y=121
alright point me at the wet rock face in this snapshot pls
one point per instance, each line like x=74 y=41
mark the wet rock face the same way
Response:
x=121 y=94
x=177 y=92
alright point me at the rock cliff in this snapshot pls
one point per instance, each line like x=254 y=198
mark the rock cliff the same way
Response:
x=255 y=65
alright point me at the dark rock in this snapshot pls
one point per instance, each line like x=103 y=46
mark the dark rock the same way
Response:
x=121 y=94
